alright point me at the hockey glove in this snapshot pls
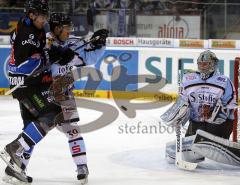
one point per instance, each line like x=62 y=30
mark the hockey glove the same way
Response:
x=60 y=55
x=219 y=114
x=67 y=56
x=101 y=41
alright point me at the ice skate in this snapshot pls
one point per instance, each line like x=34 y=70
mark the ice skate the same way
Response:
x=10 y=154
x=15 y=178
x=82 y=176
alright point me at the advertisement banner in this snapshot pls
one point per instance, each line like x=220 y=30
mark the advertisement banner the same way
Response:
x=223 y=44
x=188 y=43
x=4 y=57
x=4 y=40
x=155 y=42
x=122 y=68
x=121 y=41
x=163 y=26
x=126 y=60
x=163 y=62
x=8 y=22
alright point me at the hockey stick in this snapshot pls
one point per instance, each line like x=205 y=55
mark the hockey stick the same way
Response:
x=179 y=162
x=36 y=73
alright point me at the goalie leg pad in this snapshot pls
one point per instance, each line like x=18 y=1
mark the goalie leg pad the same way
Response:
x=178 y=113
x=188 y=154
x=216 y=148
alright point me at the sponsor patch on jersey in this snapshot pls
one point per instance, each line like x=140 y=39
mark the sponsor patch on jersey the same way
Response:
x=31 y=41
x=16 y=80
x=76 y=149
x=190 y=77
x=221 y=79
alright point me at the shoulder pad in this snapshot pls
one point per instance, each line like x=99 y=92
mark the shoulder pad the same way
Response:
x=190 y=76
x=221 y=79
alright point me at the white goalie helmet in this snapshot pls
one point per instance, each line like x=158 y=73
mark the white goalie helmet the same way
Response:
x=207 y=64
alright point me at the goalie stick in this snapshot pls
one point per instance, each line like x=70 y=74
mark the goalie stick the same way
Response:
x=179 y=162
x=36 y=73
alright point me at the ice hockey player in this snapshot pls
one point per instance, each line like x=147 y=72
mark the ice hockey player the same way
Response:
x=63 y=55
x=207 y=99
x=57 y=40
x=28 y=56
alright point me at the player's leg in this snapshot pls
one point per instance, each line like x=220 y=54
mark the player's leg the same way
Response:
x=222 y=130
x=34 y=131
x=216 y=148
x=76 y=142
x=187 y=154
x=193 y=127
x=27 y=118
x=77 y=148
x=9 y=173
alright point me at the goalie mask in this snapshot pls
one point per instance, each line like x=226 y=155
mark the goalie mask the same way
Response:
x=207 y=64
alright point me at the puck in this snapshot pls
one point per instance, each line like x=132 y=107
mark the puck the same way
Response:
x=124 y=108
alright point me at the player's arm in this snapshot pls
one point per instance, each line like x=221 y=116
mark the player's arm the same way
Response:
x=93 y=51
x=59 y=54
x=229 y=97
x=224 y=108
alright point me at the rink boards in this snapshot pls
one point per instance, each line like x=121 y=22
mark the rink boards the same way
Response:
x=134 y=71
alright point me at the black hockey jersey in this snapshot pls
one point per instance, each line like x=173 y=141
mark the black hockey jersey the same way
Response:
x=27 y=54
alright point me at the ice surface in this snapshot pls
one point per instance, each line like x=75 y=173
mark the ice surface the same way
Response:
x=114 y=156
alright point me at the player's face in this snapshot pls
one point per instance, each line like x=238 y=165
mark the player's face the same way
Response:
x=64 y=35
x=203 y=65
x=39 y=20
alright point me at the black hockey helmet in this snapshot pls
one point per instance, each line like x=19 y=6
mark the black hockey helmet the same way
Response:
x=37 y=7
x=59 y=19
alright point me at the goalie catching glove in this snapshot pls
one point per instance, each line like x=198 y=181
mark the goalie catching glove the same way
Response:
x=219 y=114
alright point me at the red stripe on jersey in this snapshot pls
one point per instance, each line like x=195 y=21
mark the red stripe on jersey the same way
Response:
x=12 y=60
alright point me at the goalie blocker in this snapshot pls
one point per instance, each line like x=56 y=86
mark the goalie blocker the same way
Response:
x=178 y=113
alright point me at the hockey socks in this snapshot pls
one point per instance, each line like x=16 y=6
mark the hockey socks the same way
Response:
x=31 y=135
x=78 y=150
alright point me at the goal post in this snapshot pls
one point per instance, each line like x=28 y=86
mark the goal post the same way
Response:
x=236 y=82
